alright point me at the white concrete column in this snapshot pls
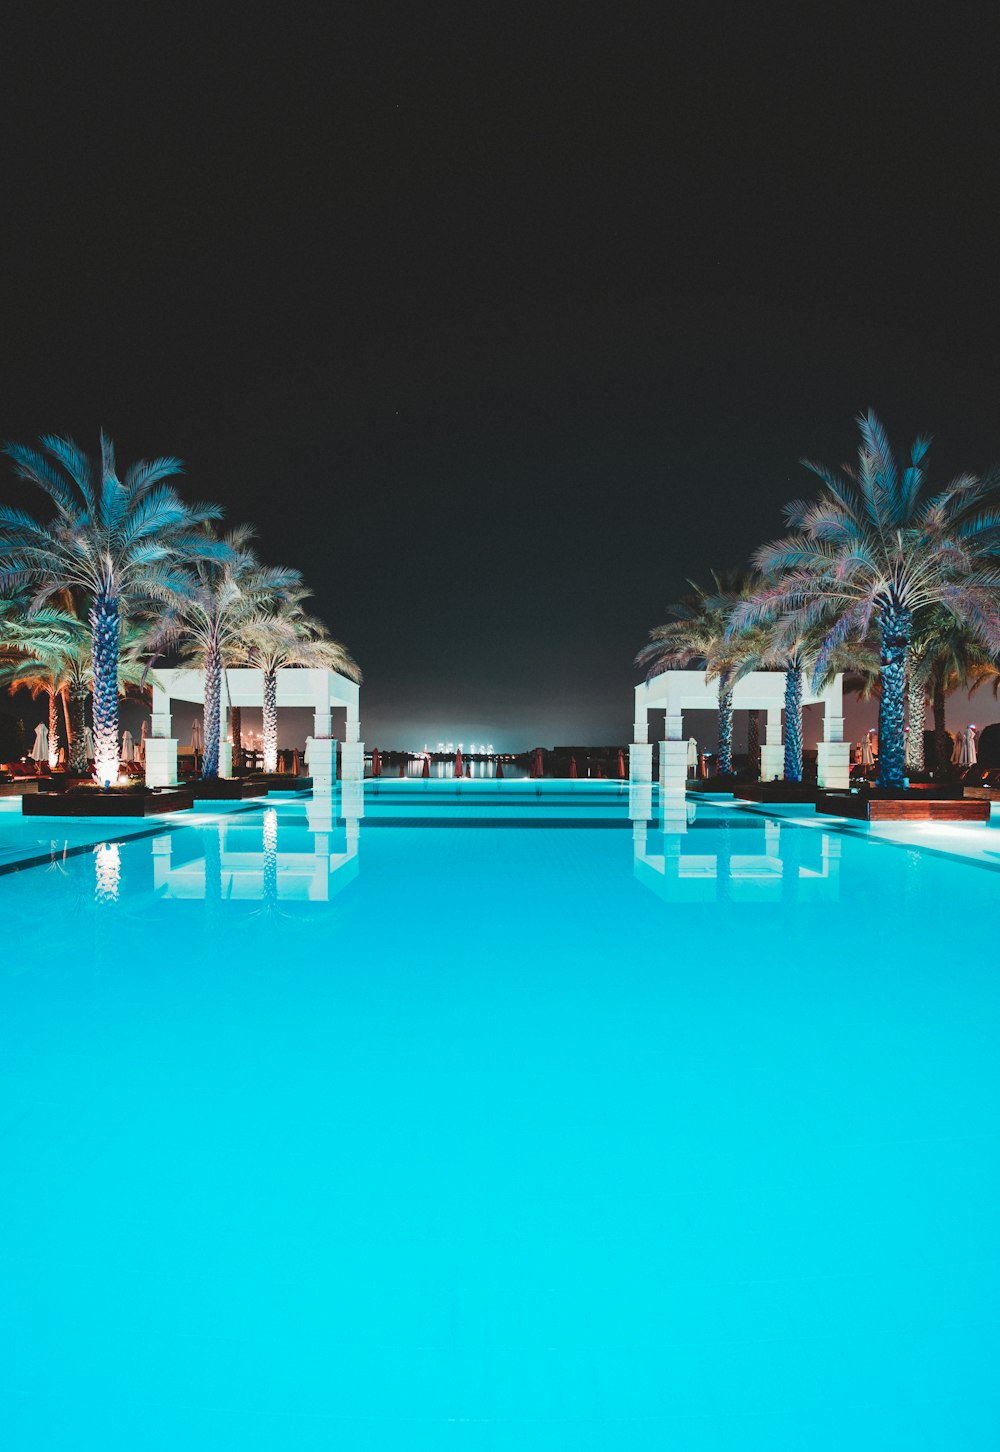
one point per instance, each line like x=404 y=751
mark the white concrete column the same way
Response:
x=352 y=732
x=772 y=751
x=640 y=761
x=352 y=758
x=833 y=765
x=225 y=758
x=322 y=725
x=160 y=723
x=640 y=728
x=161 y=761
x=673 y=768
x=323 y=764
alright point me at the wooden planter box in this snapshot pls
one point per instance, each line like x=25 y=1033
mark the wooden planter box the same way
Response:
x=23 y=787
x=802 y=793
x=105 y=804
x=922 y=807
x=279 y=782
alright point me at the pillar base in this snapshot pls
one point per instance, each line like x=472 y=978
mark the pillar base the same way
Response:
x=161 y=761
x=352 y=761
x=833 y=765
x=673 y=768
x=772 y=763
x=640 y=762
x=323 y=764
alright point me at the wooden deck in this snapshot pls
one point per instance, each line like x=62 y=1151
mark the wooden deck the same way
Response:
x=861 y=807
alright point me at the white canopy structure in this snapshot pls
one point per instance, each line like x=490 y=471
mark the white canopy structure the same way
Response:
x=320 y=691
x=675 y=692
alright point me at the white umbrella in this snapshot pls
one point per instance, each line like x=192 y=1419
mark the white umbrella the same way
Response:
x=197 y=738
x=40 y=746
x=867 y=755
x=88 y=741
x=142 y=740
x=960 y=750
x=128 y=747
x=692 y=756
x=969 y=738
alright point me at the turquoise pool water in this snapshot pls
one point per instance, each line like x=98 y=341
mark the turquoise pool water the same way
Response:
x=456 y=1124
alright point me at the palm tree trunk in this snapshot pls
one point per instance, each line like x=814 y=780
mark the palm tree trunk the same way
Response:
x=236 y=723
x=213 y=713
x=105 y=628
x=78 y=730
x=916 y=706
x=793 y=723
x=725 y=762
x=753 y=744
x=64 y=693
x=942 y=754
x=53 y=729
x=269 y=729
x=894 y=633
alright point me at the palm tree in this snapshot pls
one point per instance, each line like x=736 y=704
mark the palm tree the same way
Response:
x=123 y=542
x=946 y=655
x=773 y=648
x=285 y=636
x=225 y=593
x=697 y=634
x=33 y=656
x=50 y=655
x=874 y=548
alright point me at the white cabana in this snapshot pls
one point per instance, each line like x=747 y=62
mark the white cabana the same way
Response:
x=320 y=691
x=675 y=692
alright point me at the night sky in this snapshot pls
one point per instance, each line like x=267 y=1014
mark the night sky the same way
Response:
x=500 y=321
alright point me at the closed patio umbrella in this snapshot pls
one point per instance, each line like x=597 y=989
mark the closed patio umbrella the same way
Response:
x=88 y=741
x=959 y=749
x=142 y=740
x=197 y=735
x=458 y=762
x=692 y=756
x=867 y=756
x=40 y=746
x=970 y=745
x=499 y=775
x=539 y=767
x=426 y=767
x=128 y=747
x=621 y=765
x=572 y=768
x=402 y=769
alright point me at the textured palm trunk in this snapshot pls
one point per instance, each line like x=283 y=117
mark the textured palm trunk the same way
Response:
x=793 y=723
x=753 y=744
x=105 y=628
x=78 y=730
x=916 y=706
x=236 y=721
x=67 y=719
x=213 y=713
x=942 y=748
x=894 y=632
x=270 y=724
x=725 y=764
x=53 y=729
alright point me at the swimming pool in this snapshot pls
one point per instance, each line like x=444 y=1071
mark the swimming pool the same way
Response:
x=435 y=1119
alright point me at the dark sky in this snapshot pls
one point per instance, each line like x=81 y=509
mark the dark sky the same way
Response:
x=500 y=321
